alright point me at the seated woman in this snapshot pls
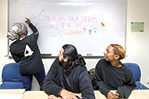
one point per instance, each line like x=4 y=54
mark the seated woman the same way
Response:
x=111 y=74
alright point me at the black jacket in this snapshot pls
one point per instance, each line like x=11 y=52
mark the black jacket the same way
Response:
x=76 y=80
x=26 y=52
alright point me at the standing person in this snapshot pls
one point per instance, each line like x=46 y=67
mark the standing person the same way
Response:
x=111 y=74
x=25 y=50
x=68 y=76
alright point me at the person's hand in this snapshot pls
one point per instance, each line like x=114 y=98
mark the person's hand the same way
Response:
x=112 y=95
x=117 y=94
x=69 y=95
x=27 y=20
x=54 y=97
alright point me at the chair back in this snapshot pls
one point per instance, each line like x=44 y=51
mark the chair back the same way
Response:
x=11 y=77
x=92 y=77
x=137 y=74
x=135 y=69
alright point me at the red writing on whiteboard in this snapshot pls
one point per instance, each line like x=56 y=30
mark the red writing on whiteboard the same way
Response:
x=71 y=25
x=73 y=32
x=44 y=17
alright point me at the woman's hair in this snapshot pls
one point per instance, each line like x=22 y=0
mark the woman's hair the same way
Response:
x=119 y=50
x=16 y=30
x=73 y=57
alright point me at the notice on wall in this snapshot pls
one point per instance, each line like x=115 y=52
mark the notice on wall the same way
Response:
x=137 y=26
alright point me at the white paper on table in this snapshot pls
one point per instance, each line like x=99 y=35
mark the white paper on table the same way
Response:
x=11 y=96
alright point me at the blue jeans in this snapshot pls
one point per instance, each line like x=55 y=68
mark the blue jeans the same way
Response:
x=27 y=79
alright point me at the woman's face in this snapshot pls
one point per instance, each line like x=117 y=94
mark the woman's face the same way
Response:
x=109 y=54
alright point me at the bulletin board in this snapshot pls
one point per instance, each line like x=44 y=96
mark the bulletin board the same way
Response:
x=90 y=25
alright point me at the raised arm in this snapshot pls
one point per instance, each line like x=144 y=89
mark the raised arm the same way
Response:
x=34 y=29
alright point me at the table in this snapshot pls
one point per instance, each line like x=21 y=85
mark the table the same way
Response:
x=136 y=94
x=35 y=95
x=12 y=91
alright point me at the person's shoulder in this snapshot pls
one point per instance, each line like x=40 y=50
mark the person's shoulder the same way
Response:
x=125 y=67
x=81 y=68
x=56 y=60
x=55 y=64
x=13 y=44
x=101 y=61
x=127 y=70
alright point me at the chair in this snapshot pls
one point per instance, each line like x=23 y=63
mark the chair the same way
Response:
x=11 y=77
x=137 y=74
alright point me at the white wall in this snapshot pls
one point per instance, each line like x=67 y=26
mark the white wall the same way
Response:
x=3 y=31
x=136 y=43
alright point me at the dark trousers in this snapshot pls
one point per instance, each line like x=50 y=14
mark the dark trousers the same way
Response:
x=27 y=79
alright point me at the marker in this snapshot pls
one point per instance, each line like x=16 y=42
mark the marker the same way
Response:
x=89 y=54
x=25 y=19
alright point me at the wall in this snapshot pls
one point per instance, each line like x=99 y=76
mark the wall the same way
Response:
x=136 y=43
x=3 y=31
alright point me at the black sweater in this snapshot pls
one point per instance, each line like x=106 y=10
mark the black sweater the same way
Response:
x=26 y=52
x=109 y=78
x=76 y=80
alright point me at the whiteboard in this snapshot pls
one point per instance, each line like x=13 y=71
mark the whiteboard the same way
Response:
x=89 y=25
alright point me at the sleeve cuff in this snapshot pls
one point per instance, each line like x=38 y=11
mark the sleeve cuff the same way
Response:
x=59 y=93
